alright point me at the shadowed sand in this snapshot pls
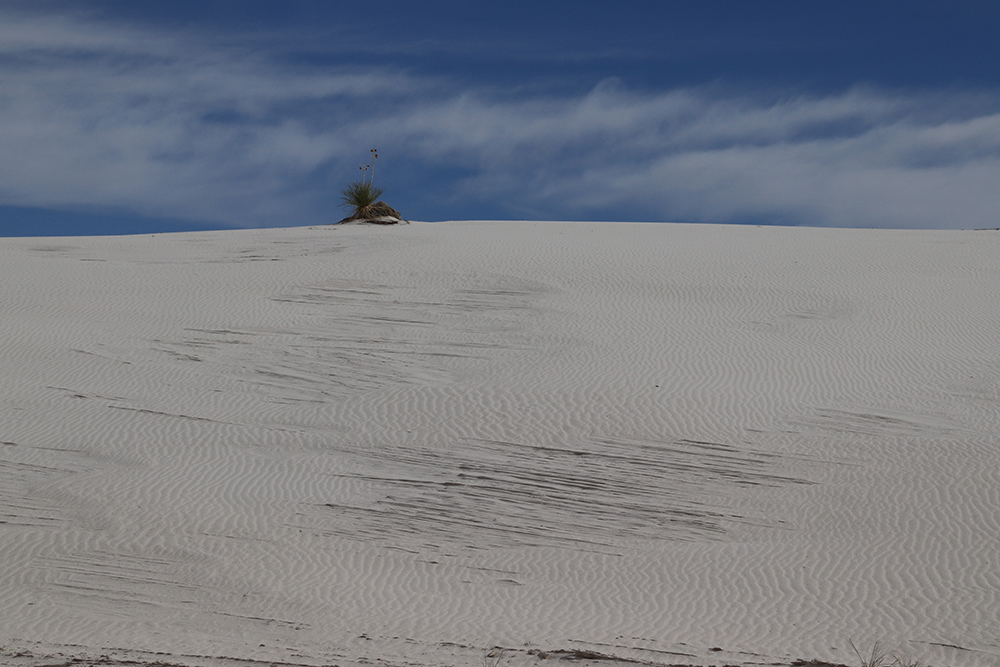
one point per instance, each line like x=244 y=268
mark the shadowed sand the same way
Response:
x=633 y=443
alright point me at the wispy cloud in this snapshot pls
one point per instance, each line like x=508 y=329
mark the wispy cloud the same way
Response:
x=172 y=124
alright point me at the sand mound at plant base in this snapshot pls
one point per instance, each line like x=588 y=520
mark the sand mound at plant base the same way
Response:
x=672 y=444
x=378 y=213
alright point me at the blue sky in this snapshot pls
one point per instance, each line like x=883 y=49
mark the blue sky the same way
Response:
x=119 y=116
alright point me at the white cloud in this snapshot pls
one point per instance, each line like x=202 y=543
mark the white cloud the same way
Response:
x=173 y=124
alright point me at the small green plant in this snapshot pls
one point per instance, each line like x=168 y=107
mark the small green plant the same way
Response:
x=875 y=659
x=879 y=657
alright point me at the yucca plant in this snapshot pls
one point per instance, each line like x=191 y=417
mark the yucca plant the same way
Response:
x=360 y=197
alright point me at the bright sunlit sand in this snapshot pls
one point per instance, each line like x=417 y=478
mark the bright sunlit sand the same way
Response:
x=637 y=443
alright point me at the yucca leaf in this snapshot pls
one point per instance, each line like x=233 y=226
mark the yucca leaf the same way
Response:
x=359 y=196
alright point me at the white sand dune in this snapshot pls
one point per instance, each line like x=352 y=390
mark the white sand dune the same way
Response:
x=669 y=444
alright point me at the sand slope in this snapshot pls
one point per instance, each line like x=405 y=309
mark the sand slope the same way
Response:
x=673 y=444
